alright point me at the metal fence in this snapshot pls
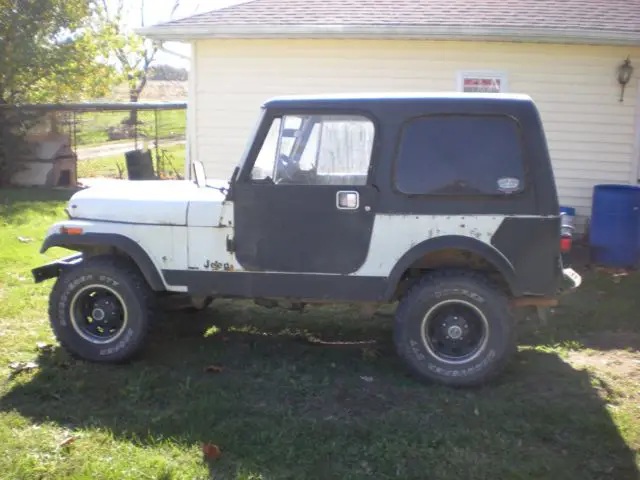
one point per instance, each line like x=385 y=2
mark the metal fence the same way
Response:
x=70 y=144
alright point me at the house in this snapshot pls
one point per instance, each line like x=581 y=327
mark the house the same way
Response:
x=564 y=54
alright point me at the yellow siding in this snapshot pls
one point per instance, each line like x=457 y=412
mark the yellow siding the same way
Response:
x=591 y=134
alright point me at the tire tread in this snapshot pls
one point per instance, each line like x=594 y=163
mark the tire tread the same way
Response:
x=462 y=275
x=122 y=266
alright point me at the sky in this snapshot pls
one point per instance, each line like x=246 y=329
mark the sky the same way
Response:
x=158 y=11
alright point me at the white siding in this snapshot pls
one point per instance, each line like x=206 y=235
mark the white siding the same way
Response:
x=591 y=134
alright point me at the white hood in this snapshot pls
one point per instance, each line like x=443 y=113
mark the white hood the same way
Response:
x=154 y=202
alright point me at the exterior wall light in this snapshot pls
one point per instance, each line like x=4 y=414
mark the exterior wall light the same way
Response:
x=625 y=70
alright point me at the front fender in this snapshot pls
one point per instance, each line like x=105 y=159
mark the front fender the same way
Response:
x=486 y=251
x=65 y=235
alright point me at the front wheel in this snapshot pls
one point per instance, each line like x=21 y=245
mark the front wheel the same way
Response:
x=101 y=309
x=455 y=328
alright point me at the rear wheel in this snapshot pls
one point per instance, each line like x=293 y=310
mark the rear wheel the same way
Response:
x=455 y=328
x=101 y=309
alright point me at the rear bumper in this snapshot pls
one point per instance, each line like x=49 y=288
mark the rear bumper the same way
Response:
x=53 y=269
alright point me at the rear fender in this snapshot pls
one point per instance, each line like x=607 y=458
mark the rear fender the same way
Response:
x=484 y=250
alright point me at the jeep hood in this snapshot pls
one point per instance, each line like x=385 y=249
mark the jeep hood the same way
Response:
x=151 y=202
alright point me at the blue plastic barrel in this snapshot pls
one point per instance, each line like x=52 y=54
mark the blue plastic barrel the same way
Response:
x=614 y=233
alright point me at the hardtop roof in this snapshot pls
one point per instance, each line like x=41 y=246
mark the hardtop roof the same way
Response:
x=392 y=97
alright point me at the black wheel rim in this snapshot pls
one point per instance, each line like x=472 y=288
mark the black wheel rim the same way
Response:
x=455 y=331
x=98 y=314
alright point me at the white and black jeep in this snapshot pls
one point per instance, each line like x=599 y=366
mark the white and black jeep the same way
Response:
x=444 y=203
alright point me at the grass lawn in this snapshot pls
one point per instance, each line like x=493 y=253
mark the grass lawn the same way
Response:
x=92 y=127
x=108 y=166
x=567 y=408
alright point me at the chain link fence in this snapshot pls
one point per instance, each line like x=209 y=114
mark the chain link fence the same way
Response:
x=73 y=144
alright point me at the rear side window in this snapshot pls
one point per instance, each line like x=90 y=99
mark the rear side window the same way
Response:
x=460 y=155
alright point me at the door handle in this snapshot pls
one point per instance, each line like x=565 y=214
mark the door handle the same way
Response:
x=347 y=200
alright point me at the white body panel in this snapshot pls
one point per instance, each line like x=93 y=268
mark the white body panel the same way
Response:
x=137 y=201
x=395 y=235
x=210 y=226
x=166 y=245
x=206 y=207
x=155 y=215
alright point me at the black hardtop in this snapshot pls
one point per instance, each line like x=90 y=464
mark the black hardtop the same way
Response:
x=391 y=112
x=425 y=101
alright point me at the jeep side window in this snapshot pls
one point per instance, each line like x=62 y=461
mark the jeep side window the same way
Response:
x=316 y=150
x=460 y=155
x=264 y=165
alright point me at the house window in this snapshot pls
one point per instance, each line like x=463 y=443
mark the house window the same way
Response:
x=486 y=82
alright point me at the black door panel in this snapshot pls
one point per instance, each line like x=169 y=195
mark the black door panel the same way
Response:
x=299 y=228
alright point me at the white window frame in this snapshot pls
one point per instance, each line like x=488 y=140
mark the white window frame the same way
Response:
x=491 y=74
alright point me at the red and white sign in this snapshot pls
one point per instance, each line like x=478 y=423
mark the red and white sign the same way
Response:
x=491 y=85
x=485 y=82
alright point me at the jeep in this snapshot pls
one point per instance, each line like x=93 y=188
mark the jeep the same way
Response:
x=444 y=204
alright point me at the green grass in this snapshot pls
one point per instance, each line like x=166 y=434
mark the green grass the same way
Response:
x=108 y=166
x=283 y=408
x=92 y=127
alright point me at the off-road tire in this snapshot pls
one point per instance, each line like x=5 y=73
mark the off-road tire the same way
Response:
x=473 y=289
x=120 y=275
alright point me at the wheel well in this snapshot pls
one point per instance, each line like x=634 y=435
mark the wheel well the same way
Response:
x=97 y=250
x=89 y=251
x=450 y=258
x=92 y=244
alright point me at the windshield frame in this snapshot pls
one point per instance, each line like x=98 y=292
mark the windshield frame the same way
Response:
x=250 y=142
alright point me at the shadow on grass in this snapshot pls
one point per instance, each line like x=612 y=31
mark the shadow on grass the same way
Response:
x=286 y=408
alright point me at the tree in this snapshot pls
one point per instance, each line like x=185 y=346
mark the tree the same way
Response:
x=133 y=54
x=48 y=52
x=169 y=73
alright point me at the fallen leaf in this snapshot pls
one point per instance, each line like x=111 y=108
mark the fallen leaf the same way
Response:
x=25 y=239
x=44 y=347
x=367 y=379
x=214 y=369
x=67 y=441
x=19 y=367
x=211 y=451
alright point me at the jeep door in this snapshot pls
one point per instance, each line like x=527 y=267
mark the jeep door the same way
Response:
x=303 y=201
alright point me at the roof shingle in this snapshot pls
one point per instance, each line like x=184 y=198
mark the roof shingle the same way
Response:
x=615 y=15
